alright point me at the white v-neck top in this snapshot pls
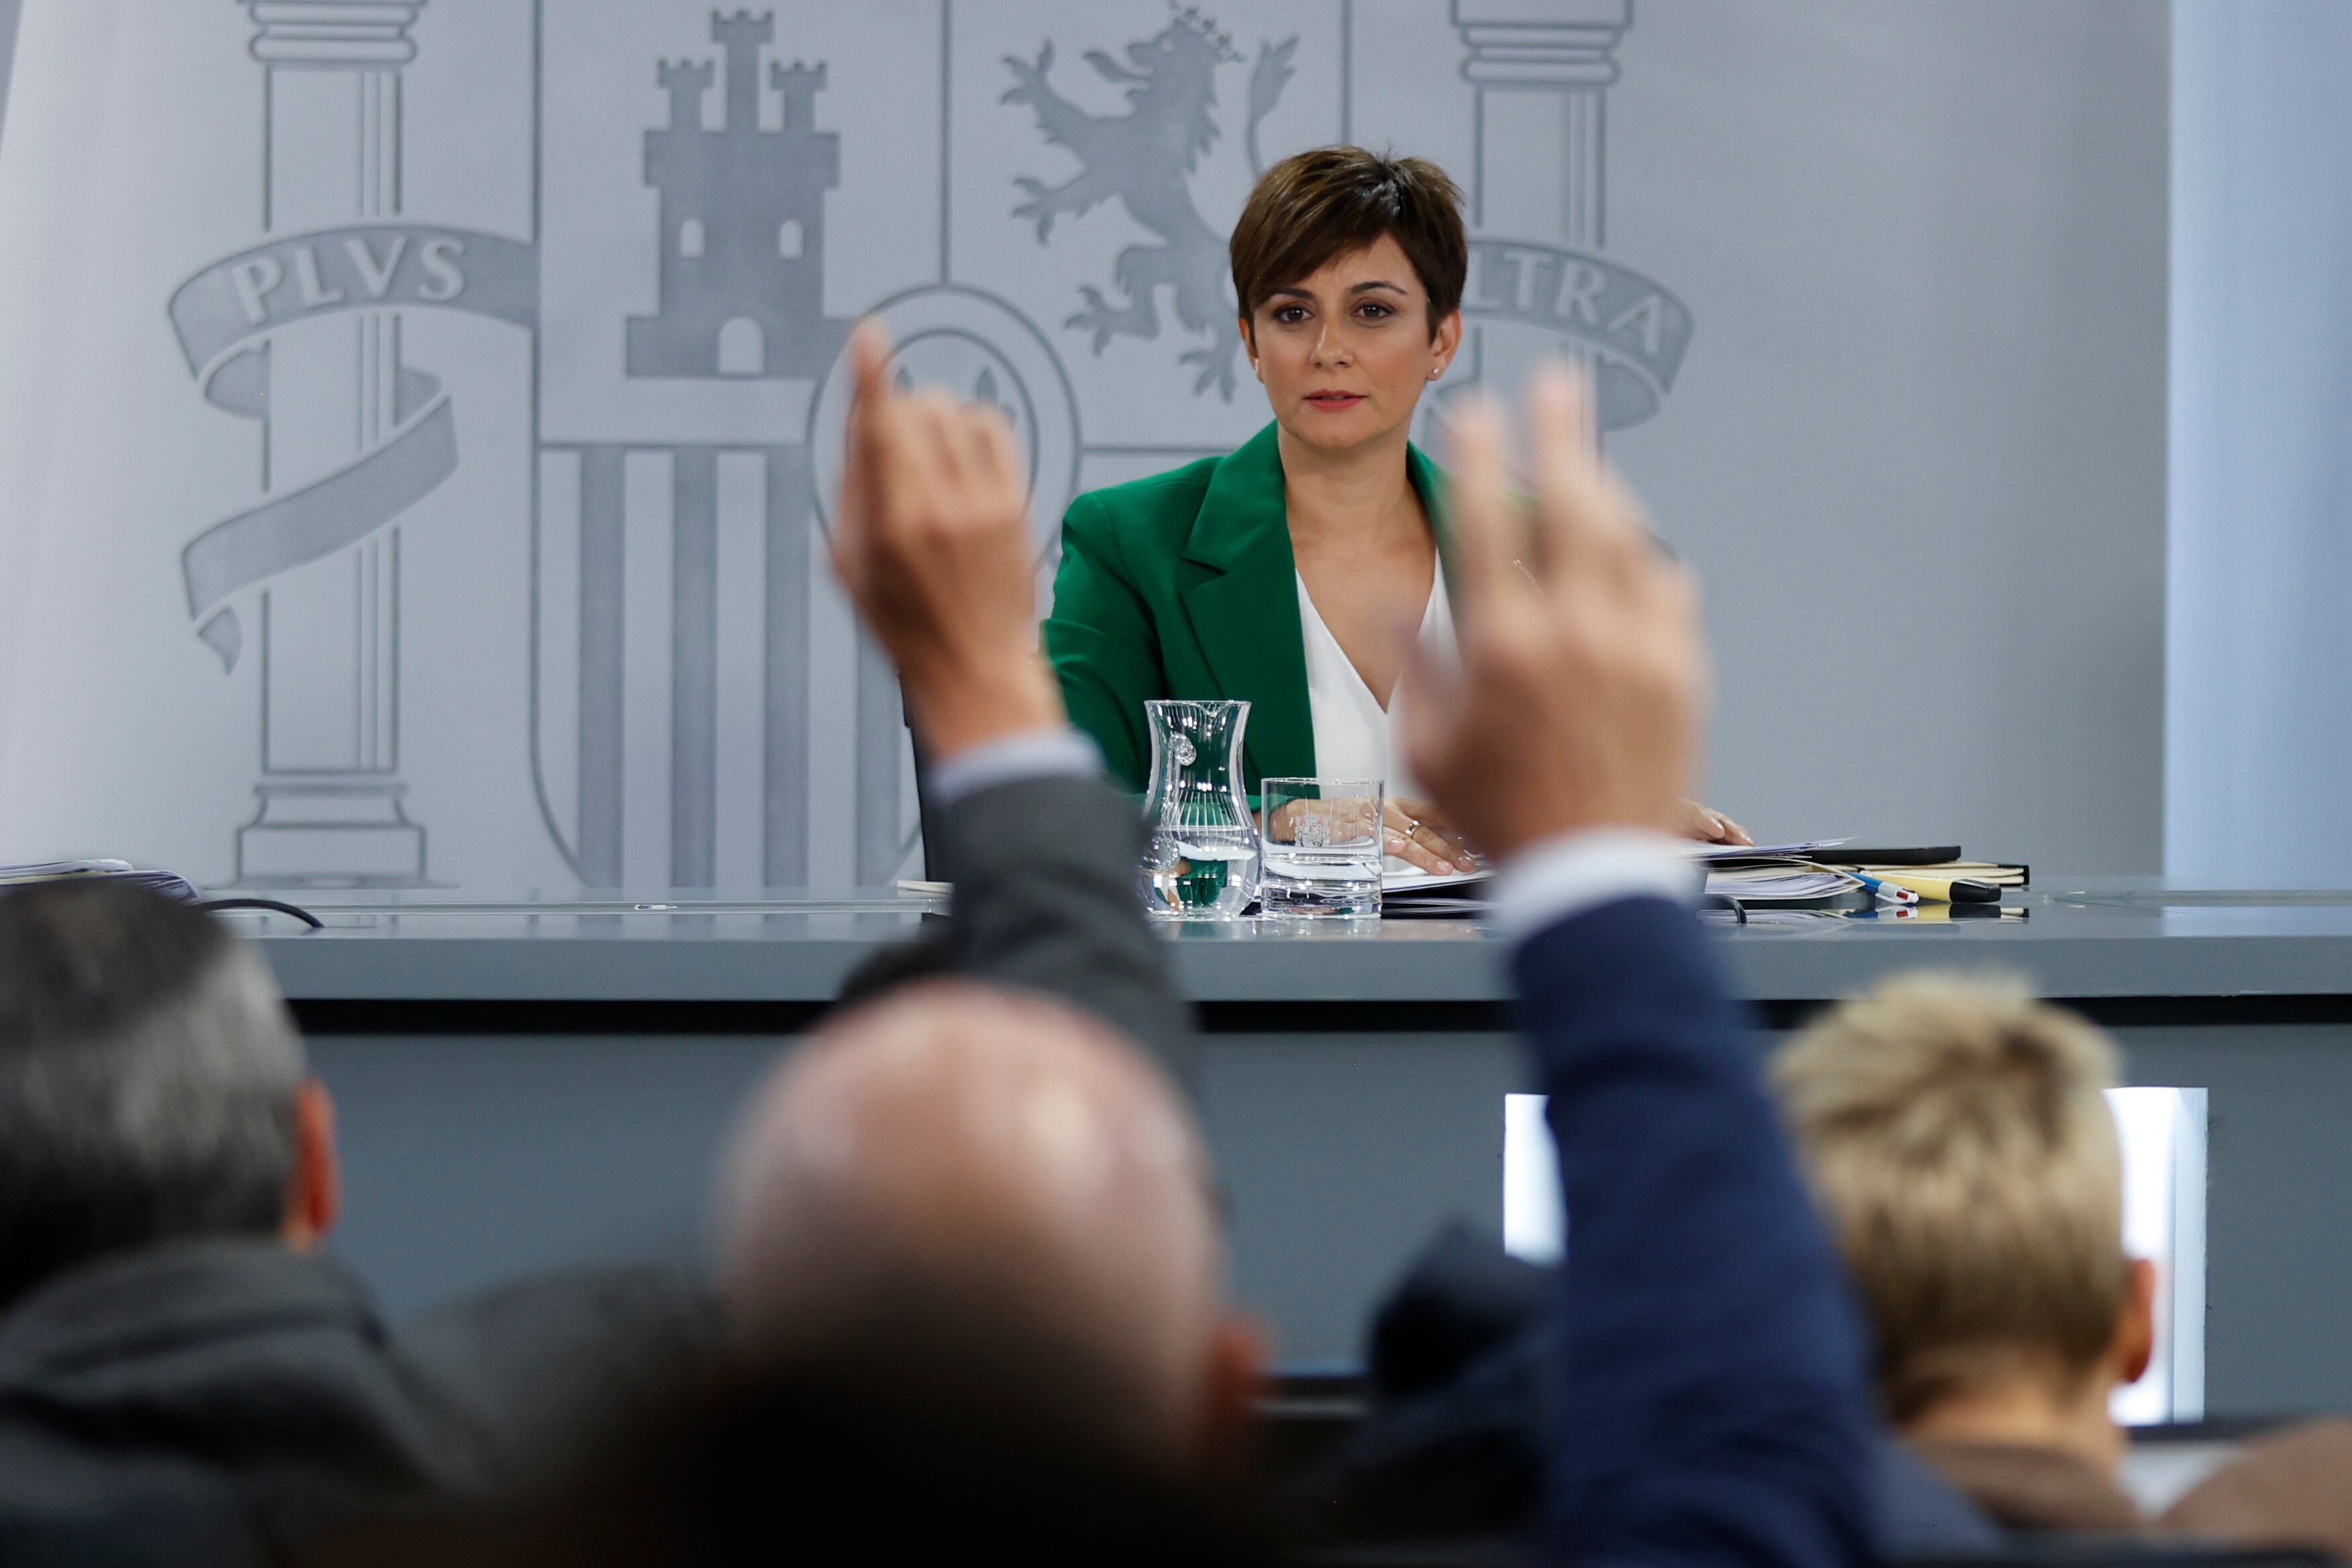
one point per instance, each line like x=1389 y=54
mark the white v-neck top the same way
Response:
x=1355 y=737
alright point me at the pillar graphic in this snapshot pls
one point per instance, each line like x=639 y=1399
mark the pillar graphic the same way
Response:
x=1542 y=69
x=330 y=794
x=1540 y=281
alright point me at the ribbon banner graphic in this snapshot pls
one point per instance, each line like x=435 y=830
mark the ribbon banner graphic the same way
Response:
x=1636 y=330
x=225 y=317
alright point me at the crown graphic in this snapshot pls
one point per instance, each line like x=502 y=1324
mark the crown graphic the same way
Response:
x=1194 y=19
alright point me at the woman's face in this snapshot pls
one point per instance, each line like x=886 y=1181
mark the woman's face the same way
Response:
x=1345 y=352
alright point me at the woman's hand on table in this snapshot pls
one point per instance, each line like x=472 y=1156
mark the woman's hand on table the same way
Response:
x=1710 y=826
x=1418 y=833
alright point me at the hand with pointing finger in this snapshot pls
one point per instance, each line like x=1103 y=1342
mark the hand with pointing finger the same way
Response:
x=1581 y=674
x=933 y=547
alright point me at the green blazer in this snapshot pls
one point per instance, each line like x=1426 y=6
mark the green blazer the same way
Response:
x=1182 y=585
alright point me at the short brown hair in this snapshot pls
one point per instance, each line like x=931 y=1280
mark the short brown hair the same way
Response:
x=1329 y=201
x=1959 y=1140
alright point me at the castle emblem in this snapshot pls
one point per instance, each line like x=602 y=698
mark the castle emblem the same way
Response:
x=1146 y=158
x=742 y=221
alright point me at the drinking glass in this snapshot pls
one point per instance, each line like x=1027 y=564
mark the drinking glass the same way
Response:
x=1322 y=855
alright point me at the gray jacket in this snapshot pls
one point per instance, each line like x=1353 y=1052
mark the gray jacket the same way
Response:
x=1045 y=899
x=198 y=1401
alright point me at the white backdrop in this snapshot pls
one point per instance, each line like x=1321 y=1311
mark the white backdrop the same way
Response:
x=2258 y=692
x=412 y=444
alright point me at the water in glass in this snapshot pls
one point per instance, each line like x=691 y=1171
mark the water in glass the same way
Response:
x=1322 y=846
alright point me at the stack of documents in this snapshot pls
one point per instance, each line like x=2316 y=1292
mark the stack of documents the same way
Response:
x=1408 y=882
x=171 y=884
x=1810 y=874
x=1803 y=873
x=1780 y=884
x=1772 y=873
x=1781 y=874
x=1731 y=854
x=1426 y=893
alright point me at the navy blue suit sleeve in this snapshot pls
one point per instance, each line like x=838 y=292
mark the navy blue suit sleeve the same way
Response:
x=1712 y=1408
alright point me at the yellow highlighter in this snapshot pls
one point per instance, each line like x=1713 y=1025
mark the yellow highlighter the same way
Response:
x=1943 y=889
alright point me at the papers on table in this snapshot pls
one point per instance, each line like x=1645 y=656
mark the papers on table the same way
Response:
x=1777 y=884
x=48 y=870
x=1824 y=871
x=1727 y=866
x=1395 y=882
x=1425 y=894
x=171 y=884
x=1716 y=854
x=1772 y=873
x=1782 y=875
x=1704 y=853
x=1754 y=873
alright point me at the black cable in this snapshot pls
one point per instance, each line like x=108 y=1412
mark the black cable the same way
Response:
x=272 y=905
x=1725 y=900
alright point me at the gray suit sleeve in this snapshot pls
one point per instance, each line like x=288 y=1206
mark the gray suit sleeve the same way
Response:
x=1045 y=899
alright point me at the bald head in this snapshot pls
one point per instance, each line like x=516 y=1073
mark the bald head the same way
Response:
x=961 y=1163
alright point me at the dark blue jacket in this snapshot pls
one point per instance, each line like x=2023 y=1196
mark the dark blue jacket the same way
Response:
x=1713 y=1377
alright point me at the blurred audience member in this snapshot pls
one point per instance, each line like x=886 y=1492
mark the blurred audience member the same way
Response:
x=1709 y=1386
x=183 y=1375
x=964 y=1189
x=955 y=1167
x=1958 y=1135
x=152 y=1088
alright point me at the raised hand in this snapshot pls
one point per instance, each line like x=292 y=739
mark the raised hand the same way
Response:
x=1582 y=674
x=932 y=545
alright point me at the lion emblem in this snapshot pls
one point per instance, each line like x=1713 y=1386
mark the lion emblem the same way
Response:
x=1146 y=158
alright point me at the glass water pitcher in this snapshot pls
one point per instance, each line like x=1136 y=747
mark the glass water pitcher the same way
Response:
x=1201 y=862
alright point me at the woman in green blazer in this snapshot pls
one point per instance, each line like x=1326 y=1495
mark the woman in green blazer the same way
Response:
x=1285 y=571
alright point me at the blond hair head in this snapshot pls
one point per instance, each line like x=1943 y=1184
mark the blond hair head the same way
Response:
x=1957 y=1136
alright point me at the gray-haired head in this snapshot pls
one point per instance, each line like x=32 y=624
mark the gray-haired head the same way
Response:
x=148 y=1076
